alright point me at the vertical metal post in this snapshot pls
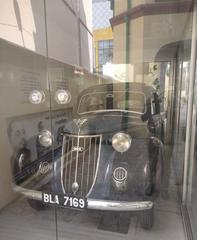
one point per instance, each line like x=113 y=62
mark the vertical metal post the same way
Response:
x=192 y=150
x=127 y=57
x=188 y=143
x=79 y=33
x=127 y=53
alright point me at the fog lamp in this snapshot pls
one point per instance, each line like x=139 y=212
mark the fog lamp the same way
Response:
x=121 y=142
x=45 y=138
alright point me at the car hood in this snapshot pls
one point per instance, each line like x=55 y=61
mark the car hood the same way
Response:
x=101 y=124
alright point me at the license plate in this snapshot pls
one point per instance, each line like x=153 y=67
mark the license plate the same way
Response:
x=67 y=201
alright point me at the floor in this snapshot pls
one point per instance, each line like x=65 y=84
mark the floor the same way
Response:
x=19 y=222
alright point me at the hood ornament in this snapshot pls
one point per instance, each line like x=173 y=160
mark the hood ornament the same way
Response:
x=75 y=187
x=79 y=122
x=77 y=149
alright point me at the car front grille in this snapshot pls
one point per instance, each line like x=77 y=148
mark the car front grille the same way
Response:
x=79 y=163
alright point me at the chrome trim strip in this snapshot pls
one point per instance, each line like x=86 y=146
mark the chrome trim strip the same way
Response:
x=96 y=204
x=67 y=161
x=77 y=159
x=70 y=167
x=33 y=194
x=84 y=145
x=94 y=167
x=110 y=110
x=62 y=164
x=88 y=173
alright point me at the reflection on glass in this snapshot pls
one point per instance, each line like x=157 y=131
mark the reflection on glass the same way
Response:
x=62 y=96
x=114 y=101
x=37 y=97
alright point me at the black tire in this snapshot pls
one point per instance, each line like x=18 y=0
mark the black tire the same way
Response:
x=37 y=205
x=147 y=219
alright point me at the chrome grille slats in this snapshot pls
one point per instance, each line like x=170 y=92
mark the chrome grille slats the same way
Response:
x=89 y=156
x=77 y=159
x=83 y=167
x=79 y=162
x=66 y=165
x=94 y=168
x=62 y=162
x=70 y=167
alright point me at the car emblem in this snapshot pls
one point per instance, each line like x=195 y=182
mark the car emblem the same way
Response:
x=77 y=149
x=75 y=187
x=80 y=122
x=44 y=167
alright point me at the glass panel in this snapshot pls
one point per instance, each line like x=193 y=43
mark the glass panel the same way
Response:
x=192 y=197
x=183 y=69
x=100 y=44
x=25 y=141
x=119 y=131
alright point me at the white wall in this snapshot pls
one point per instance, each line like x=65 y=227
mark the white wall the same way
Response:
x=23 y=22
x=62 y=32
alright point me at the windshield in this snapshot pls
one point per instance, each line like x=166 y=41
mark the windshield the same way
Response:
x=114 y=101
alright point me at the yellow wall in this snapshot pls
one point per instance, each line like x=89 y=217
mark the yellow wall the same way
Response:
x=99 y=35
x=120 y=6
x=119 y=53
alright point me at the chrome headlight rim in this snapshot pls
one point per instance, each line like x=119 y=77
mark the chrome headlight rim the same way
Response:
x=118 y=142
x=45 y=138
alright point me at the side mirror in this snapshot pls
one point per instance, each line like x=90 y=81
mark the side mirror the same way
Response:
x=156 y=103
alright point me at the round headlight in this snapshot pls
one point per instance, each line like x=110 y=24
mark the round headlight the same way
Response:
x=121 y=142
x=45 y=138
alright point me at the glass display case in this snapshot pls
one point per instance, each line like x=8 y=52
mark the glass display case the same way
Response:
x=98 y=120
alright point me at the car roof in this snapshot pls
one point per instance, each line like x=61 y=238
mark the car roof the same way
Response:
x=126 y=86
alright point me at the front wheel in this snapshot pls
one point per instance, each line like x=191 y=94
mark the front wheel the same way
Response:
x=147 y=219
x=36 y=204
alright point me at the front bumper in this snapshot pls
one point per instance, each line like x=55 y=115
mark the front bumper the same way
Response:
x=96 y=204
x=107 y=205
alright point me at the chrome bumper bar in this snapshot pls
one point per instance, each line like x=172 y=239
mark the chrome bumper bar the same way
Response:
x=106 y=205
x=96 y=204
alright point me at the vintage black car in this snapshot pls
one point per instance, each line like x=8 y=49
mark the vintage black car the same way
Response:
x=111 y=153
